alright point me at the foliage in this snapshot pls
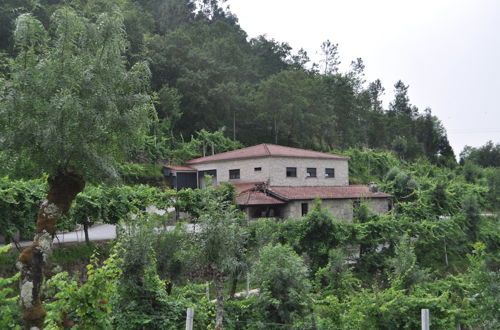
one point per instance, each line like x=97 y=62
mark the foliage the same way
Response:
x=19 y=204
x=471 y=213
x=9 y=312
x=167 y=246
x=405 y=271
x=336 y=278
x=140 y=300
x=485 y=290
x=400 y=184
x=217 y=250
x=207 y=75
x=283 y=281
x=485 y=156
x=79 y=253
x=393 y=309
x=367 y=165
x=203 y=143
x=20 y=201
x=493 y=195
x=71 y=97
x=68 y=101
x=134 y=173
x=111 y=204
x=193 y=201
x=317 y=239
x=87 y=305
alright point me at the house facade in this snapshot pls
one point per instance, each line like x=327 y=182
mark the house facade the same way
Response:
x=278 y=181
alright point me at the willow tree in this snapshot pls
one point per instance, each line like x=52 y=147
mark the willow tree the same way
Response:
x=70 y=105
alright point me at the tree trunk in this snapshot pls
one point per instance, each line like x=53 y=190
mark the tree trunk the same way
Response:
x=169 y=287
x=63 y=188
x=234 y=286
x=86 y=232
x=219 y=293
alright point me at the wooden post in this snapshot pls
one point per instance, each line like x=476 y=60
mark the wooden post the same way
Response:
x=248 y=283
x=425 y=319
x=189 y=318
x=207 y=291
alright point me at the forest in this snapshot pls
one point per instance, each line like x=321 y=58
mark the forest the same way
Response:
x=97 y=95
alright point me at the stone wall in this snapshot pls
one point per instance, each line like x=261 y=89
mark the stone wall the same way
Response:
x=379 y=205
x=274 y=170
x=341 y=209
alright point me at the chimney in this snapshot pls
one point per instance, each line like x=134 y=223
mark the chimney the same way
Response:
x=373 y=187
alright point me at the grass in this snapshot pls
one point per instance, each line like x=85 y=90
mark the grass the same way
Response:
x=78 y=253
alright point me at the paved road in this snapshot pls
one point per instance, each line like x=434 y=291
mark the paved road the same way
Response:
x=102 y=232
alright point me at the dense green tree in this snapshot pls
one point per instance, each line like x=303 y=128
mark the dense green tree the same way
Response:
x=485 y=156
x=283 y=281
x=71 y=106
x=317 y=235
x=289 y=107
x=340 y=95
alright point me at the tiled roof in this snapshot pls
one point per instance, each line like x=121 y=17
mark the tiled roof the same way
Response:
x=252 y=197
x=248 y=193
x=327 y=192
x=264 y=150
x=181 y=168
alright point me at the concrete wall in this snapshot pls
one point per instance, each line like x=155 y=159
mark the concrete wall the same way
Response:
x=341 y=209
x=274 y=170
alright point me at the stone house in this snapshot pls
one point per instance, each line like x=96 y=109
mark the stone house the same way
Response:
x=278 y=181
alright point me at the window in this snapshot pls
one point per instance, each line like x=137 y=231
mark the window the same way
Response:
x=257 y=169
x=329 y=172
x=311 y=172
x=234 y=174
x=291 y=172
x=305 y=208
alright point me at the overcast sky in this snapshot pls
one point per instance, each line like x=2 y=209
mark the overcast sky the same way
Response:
x=448 y=51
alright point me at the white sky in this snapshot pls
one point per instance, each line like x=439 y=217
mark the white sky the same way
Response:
x=448 y=51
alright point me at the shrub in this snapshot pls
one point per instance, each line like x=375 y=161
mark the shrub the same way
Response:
x=10 y=316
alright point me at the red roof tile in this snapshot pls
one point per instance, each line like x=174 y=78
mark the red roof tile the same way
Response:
x=181 y=168
x=252 y=197
x=264 y=150
x=328 y=192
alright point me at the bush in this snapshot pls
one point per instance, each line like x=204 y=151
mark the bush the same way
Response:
x=83 y=306
x=10 y=315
